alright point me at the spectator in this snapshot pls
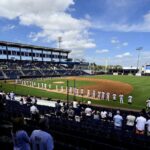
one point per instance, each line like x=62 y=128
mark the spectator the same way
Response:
x=58 y=108
x=78 y=113
x=12 y=95
x=140 y=124
x=96 y=115
x=88 y=112
x=148 y=126
x=28 y=100
x=40 y=139
x=104 y=115
x=118 y=119
x=75 y=103
x=70 y=113
x=19 y=136
x=64 y=110
x=130 y=121
x=110 y=116
x=34 y=100
x=21 y=101
x=34 y=113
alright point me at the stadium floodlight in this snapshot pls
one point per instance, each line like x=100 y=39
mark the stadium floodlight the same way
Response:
x=59 y=41
x=138 y=60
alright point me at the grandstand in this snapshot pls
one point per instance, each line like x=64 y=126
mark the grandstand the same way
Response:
x=69 y=134
x=23 y=61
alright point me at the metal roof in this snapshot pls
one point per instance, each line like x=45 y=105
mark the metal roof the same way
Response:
x=5 y=43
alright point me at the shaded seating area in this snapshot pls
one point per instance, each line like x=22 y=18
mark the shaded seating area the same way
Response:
x=71 y=135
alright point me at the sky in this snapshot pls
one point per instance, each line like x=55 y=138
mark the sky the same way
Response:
x=100 y=31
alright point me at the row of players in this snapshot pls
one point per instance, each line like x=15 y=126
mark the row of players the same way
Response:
x=107 y=95
x=102 y=96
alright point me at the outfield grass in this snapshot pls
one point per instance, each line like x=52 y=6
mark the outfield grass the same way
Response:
x=140 y=93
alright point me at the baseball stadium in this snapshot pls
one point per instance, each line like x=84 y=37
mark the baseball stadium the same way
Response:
x=74 y=74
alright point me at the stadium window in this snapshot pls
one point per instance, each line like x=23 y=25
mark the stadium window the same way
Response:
x=44 y=55
x=30 y=54
x=37 y=54
x=9 y=53
x=33 y=54
x=22 y=53
x=26 y=54
x=4 y=52
x=18 y=53
x=13 y=52
x=47 y=55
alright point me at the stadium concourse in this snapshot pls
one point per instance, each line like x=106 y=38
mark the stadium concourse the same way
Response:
x=73 y=126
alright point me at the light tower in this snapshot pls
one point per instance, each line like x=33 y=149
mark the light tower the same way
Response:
x=138 y=60
x=59 y=41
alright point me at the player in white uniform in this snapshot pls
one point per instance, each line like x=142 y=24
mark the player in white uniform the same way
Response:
x=130 y=99
x=148 y=104
x=121 y=98
x=103 y=95
x=114 y=96
x=107 y=96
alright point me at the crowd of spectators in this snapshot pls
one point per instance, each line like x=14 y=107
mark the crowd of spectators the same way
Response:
x=137 y=123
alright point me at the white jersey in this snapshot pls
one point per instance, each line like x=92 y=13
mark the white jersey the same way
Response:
x=148 y=103
x=103 y=95
x=130 y=120
x=34 y=110
x=75 y=104
x=121 y=98
x=12 y=96
x=130 y=99
x=88 y=111
x=107 y=96
x=114 y=97
x=103 y=114
x=140 y=123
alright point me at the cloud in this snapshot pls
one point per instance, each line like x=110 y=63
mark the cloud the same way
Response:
x=102 y=51
x=8 y=27
x=115 y=41
x=125 y=43
x=127 y=54
x=119 y=44
x=124 y=24
x=53 y=19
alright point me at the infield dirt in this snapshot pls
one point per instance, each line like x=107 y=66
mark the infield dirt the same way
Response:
x=105 y=85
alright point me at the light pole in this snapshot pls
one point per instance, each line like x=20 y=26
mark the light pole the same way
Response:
x=74 y=97
x=138 y=60
x=67 y=93
x=59 y=41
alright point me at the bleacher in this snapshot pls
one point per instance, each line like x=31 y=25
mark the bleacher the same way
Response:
x=24 y=69
x=72 y=135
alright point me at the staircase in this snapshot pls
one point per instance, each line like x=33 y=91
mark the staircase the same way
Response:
x=4 y=74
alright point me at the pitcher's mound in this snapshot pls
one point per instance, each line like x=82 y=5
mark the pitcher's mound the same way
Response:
x=59 y=82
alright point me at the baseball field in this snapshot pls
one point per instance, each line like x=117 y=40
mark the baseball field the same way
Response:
x=138 y=87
